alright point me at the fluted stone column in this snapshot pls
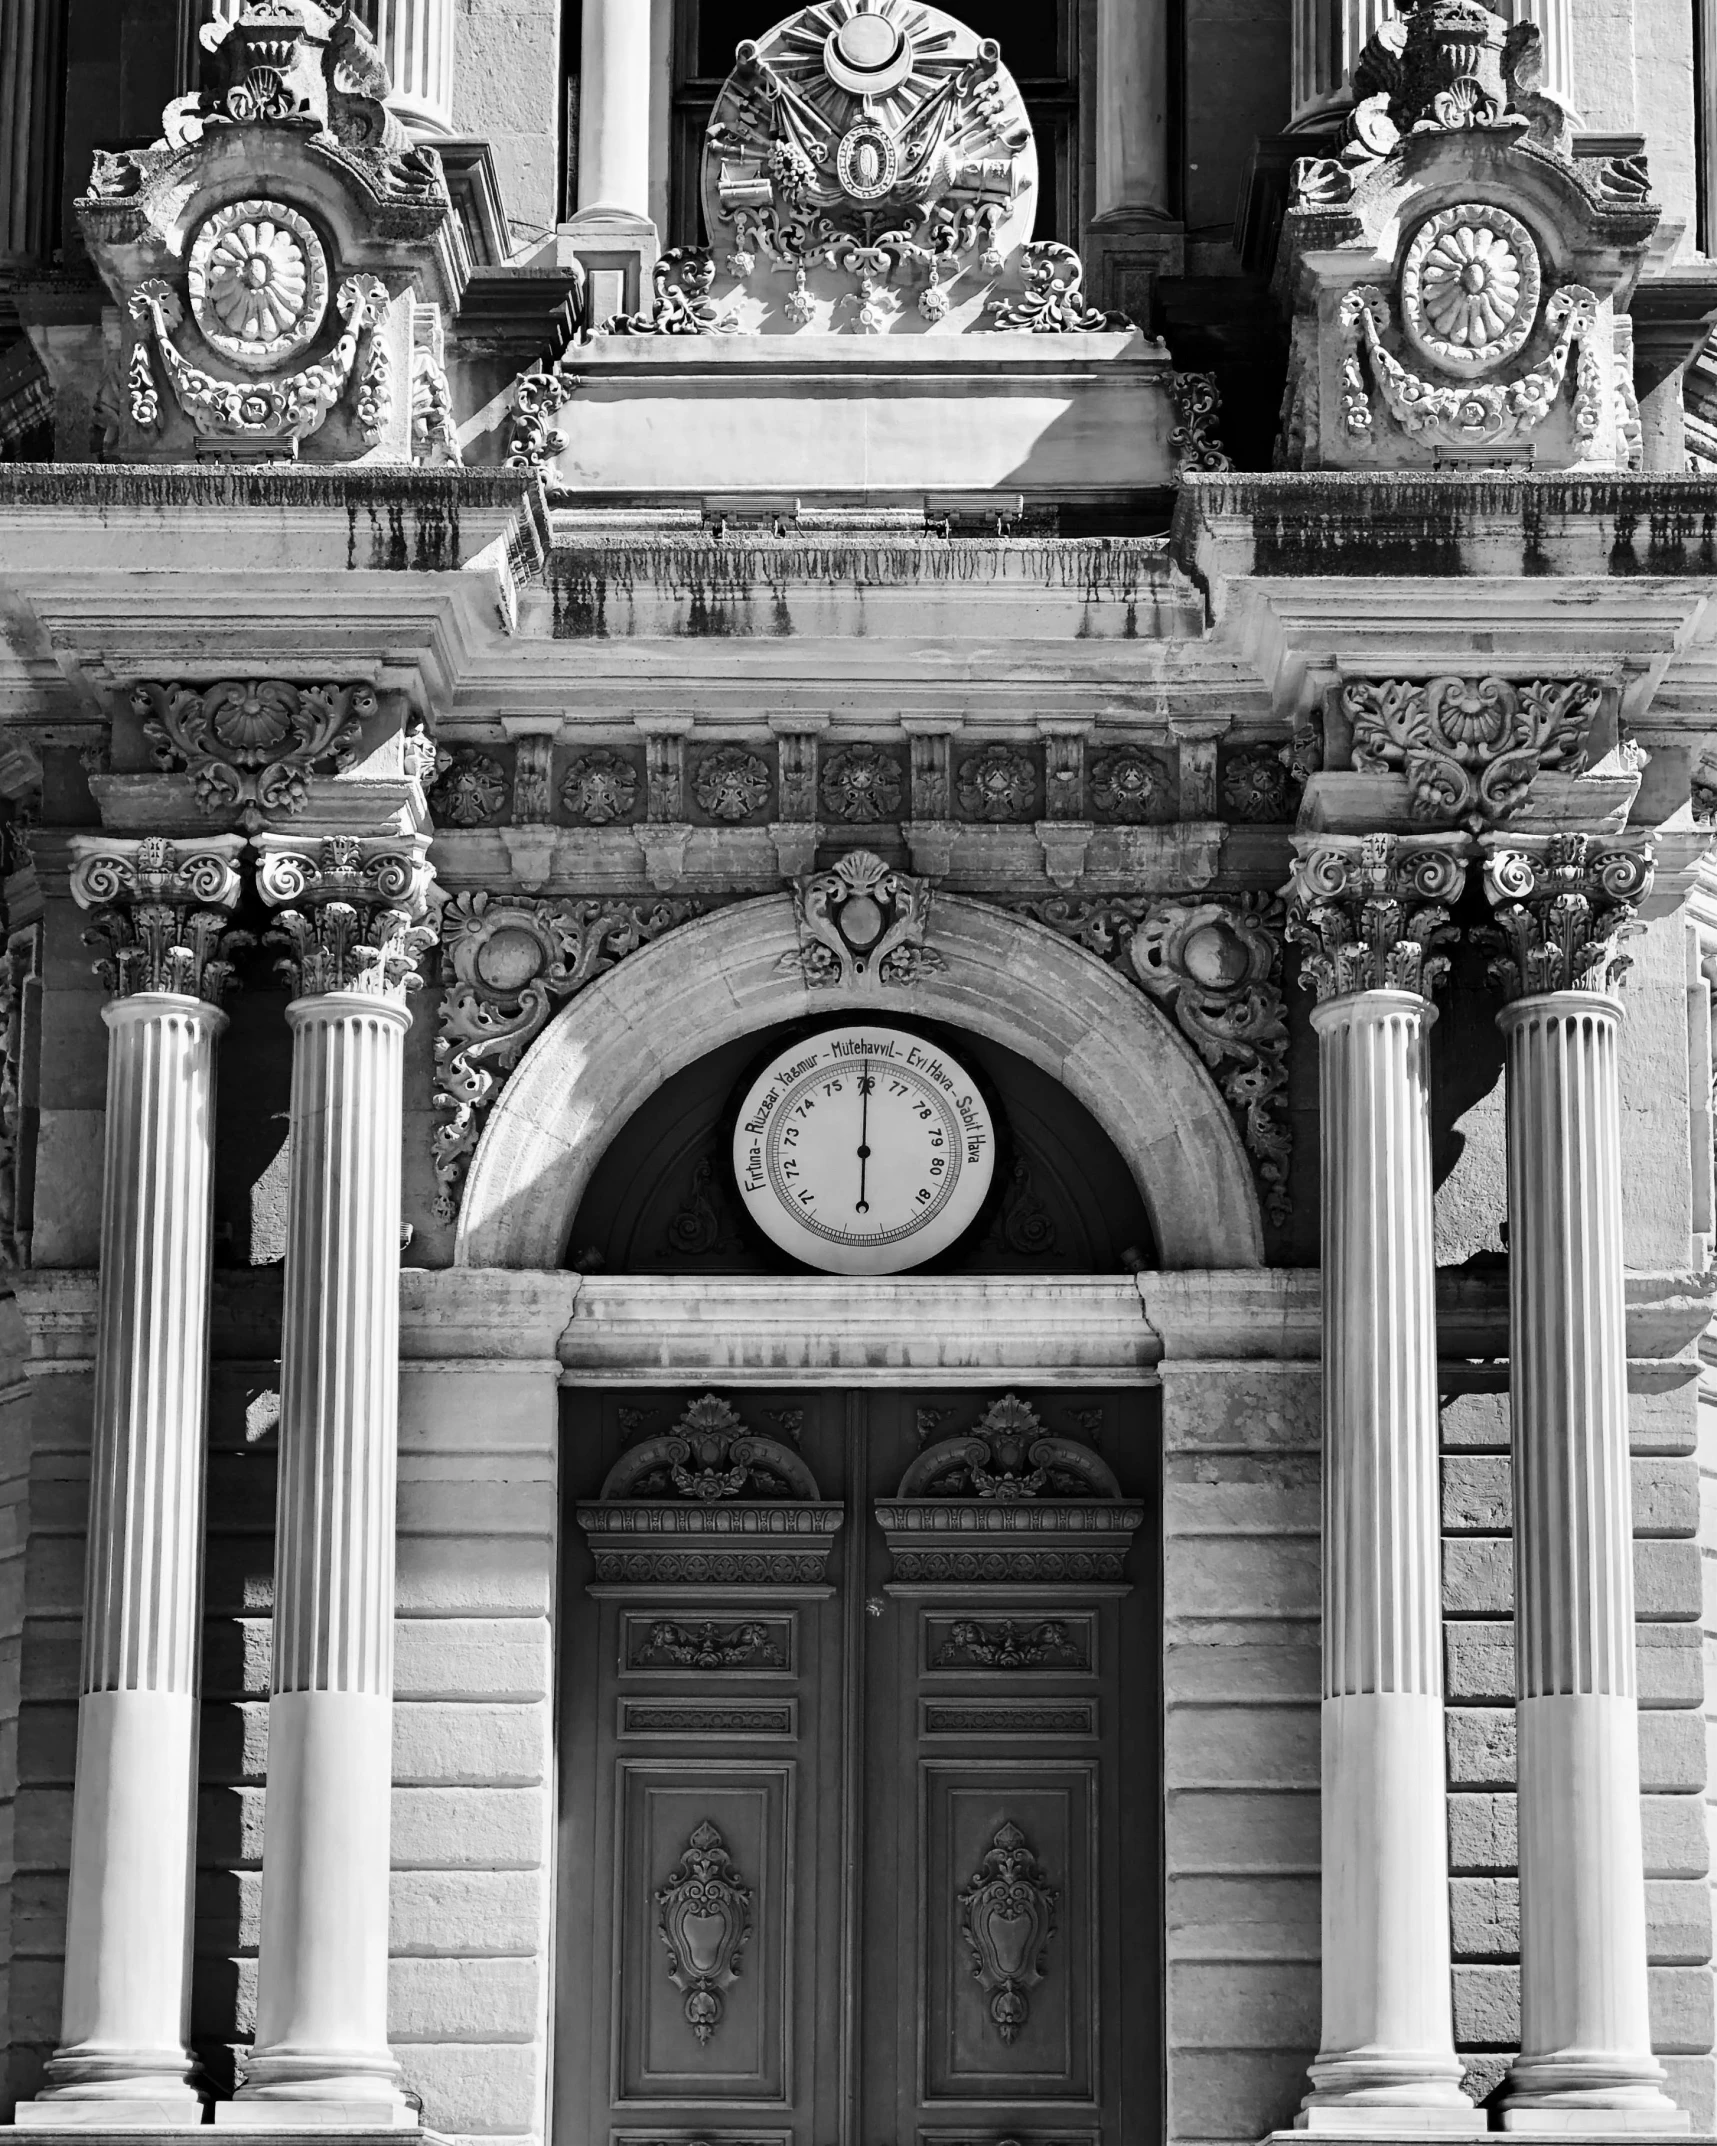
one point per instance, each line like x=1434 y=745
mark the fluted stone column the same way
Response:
x=1585 y=2059
x=350 y=912
x=1369 y=911
x=415 y=39
x=163 y=911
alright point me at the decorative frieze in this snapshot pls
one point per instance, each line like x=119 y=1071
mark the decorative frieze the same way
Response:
x=1217 y=966
x=506 y=966
x=862 y=922
x=1563 y=903
x=351 y=910
x=1470 y=748
x=1369 y=911
x=251 y=747
x=163 y=910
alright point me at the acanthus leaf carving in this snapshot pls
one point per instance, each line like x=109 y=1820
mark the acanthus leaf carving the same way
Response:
x=251 y=747
x=1198 y=403
x=1469 y=747
x=862 y=921
x=703 y=1917
x=351 y=911
x=162 y=910
x=1562 y=905
x=1054 y=302
x=1007 y=1918
x=507 y=964
x=1371 y=911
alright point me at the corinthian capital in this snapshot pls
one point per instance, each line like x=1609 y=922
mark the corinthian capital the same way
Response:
x=1370 y=910
x=163 y=911
x=1563 y=904
x=352 y=911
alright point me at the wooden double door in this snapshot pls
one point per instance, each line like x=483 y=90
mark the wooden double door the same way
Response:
x=859 y=1843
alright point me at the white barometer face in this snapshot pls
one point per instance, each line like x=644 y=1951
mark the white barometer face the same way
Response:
x=864 y=1150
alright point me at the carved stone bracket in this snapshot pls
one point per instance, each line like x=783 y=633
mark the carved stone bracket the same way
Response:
x=710 y=1503
x=1217 y=966
x=351 y=911
x=251 y=748
x=1370 y=910
x=703 y=1917
x=1563 y=903
x=862 y=922
x=1009 y=1501
x=1007 y=1918
x=506 y=966
x=1469 y=747
x=163 y=910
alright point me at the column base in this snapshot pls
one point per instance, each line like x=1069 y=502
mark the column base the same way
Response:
x=323 y=2116
x=1570 y=2124
x=132 y=2113
x=618 y=251
x=1369 y=2121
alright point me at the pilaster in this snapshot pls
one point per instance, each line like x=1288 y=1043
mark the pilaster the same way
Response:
x=350 y=920
x=162 y=910
x=1371 y=913
x=1562 y=903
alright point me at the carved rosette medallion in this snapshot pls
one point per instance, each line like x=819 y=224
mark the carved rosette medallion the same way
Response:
x=258 y=283
x=599 y=787
x=1469 y=747
x=1563 y=903
x=703 y=1917
x=1258 y=783
x=471 y=789
x=996 y=784
x=351 y=911
x=711 y=1502
x=1010 y=1500
x=1370 y=911
x=1469 y=287
x=1007 y=1918
x=731 y=783
x=506 y=966
x=1129 y=785
x=862 y=922
x=251 y=747
x=163 y=912
x=862 y=782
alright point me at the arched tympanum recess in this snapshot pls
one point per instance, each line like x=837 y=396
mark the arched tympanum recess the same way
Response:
x=732 y=973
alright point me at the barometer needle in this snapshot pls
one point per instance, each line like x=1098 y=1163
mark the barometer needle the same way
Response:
x=863 y=1206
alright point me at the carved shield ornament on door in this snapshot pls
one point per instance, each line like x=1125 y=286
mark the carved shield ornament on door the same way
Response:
x=704 y=1918
x=1007 y=1917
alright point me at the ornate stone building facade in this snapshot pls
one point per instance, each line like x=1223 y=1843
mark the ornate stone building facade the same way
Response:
x=856 y=1071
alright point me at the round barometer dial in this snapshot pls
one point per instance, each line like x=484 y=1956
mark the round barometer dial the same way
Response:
x=864 y=1150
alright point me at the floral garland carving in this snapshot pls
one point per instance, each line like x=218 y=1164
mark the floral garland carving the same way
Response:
x=1473 y=413
x=251 y=747
x=286 y=410
x=507 y=965
x=1217 y=966
x=1470 y=747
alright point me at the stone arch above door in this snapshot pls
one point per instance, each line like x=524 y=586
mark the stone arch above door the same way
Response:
x=735 y=972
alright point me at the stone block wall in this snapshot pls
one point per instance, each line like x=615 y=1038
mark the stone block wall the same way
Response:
x=14 y=1542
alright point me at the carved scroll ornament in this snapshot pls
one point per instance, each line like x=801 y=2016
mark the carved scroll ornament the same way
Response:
x=1007 y=1918
x=251 y=747
x=1469 y=747
x=862 y=922
x=703 y=1917
x=1217 y=966
x=1562 y=904
x=506 y=966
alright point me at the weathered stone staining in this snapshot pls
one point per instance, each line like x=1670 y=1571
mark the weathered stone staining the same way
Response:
x=492 y=1640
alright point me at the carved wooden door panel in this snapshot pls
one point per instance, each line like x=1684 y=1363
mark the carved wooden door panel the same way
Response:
x=854 y=1701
